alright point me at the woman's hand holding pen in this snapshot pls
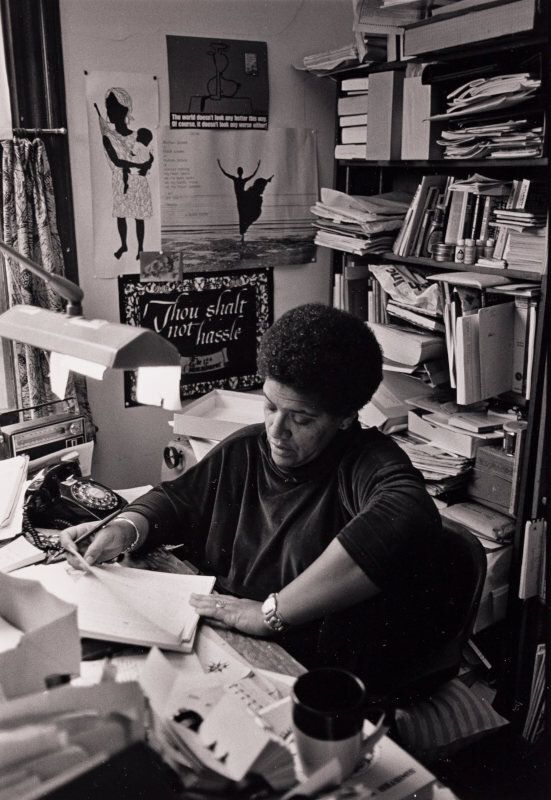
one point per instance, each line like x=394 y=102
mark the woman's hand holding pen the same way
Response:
x=108 y=543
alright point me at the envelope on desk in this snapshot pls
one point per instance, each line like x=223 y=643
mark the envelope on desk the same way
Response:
x=38 y=637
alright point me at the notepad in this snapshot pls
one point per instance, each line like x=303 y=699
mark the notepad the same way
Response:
x=19 y=553
x=127 y=605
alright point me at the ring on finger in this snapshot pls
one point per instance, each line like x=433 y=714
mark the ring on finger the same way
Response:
x=219 y=604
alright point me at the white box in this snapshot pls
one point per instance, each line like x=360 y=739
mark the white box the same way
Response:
x=218 y=414
x=452 y=441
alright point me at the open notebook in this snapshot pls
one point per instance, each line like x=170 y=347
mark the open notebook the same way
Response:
x=122 y=604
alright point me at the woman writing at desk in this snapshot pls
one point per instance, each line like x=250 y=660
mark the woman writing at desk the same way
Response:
x=320 y=532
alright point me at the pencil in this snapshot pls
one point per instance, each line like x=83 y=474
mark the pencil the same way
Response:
x=101 y=523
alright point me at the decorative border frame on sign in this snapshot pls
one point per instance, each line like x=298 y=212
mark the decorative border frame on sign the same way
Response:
x=216 y=321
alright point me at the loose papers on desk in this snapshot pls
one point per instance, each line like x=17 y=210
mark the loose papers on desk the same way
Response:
x=49 y=739
x=13 y=474
x=122 y=604
x=219 y=729
x=38 y=637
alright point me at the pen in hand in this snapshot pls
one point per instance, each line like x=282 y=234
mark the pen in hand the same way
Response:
x=55 y=557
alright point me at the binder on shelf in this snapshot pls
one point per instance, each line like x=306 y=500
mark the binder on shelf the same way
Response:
x=356 y=283
x=419 y=134
x=384 y=115
x=471 y=26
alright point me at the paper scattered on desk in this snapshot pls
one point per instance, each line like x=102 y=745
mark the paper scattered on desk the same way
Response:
x=13 y=475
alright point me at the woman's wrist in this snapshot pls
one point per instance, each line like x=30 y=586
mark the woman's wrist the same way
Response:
x=137 y=527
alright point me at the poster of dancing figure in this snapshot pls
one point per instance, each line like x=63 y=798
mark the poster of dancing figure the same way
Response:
x=238 y=199
x=123 y=120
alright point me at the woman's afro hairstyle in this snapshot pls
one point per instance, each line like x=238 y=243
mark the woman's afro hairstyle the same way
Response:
x=324 y=353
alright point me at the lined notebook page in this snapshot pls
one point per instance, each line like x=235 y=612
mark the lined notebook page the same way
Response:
x=103 y=614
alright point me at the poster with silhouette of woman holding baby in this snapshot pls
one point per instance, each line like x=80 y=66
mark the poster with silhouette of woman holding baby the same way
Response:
x=123 y=122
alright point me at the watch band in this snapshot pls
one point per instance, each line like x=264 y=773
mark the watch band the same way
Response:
x=272 y=617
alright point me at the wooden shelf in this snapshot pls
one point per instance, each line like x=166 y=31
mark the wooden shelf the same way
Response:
x=453 y=266
x=451 y=164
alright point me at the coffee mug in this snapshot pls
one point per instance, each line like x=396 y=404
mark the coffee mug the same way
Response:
x=328 y=715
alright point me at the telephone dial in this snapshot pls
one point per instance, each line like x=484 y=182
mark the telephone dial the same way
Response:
x=59 y=496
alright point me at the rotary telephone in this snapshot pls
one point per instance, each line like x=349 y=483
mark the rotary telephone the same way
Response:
x=59 y=496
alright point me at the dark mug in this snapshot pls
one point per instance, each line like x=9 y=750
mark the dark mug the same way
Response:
x=328 y=716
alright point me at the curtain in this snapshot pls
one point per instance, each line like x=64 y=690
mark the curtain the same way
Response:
x=29 y=225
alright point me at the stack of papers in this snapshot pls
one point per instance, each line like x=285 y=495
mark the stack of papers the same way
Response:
x=358 y=224
x=511 y=139
x=489 y=94
x=121 y=604
x=481 y=184
x=13 y=480
x=331 y=60
x=436 y=465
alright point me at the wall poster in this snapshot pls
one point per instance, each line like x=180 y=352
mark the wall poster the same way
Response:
x=216 y=321
x=238 y=199
x=123 y=120
x=217 y=83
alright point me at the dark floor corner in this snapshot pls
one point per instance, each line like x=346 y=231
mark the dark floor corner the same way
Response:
x=498 y=767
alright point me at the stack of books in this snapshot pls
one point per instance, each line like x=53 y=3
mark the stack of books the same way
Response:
x=352 y=113
x=520 y=228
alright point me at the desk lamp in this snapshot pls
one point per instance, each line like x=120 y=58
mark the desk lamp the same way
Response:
x=91 y=346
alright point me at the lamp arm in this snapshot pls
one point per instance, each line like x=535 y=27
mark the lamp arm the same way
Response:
x=66 y=288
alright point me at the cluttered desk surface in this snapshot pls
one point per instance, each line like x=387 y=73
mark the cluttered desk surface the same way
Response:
x=218 y=710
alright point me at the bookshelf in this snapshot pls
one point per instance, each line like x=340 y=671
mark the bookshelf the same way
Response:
x=524 y=624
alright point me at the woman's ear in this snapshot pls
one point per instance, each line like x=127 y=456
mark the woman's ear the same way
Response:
x=347 y=421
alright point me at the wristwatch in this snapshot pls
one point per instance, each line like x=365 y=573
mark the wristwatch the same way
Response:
x=272 y=617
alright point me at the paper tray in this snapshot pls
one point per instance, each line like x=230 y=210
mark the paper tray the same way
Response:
x=218 y=414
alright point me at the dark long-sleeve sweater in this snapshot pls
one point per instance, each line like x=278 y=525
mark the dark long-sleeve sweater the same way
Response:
x=256 y=527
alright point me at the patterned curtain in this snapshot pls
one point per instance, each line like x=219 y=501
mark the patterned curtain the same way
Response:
x=29 y=225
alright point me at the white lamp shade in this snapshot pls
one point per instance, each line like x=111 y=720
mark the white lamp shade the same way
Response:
x=110 y=344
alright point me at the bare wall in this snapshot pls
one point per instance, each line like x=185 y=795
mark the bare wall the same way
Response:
x=129 y=35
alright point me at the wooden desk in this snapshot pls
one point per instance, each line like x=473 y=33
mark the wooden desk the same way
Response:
x=260 y=653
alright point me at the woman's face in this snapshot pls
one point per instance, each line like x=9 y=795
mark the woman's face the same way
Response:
x=297 y=429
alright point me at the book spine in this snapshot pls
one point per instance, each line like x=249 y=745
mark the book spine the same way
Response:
x=532 y=320
x=524 y=187
x=503 y=233
x=486 y=212
x=520 y=328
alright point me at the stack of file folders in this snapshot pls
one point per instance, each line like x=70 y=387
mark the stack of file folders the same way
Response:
x=443 y=471
x=357 y=224
x=331 y=60
x=511 y=139
x=489 y=94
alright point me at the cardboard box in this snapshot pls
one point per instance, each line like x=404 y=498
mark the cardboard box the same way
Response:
x=492 y=608
x=218 y=414
x=491 y=480
x=418 y=133
x=384 y=115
